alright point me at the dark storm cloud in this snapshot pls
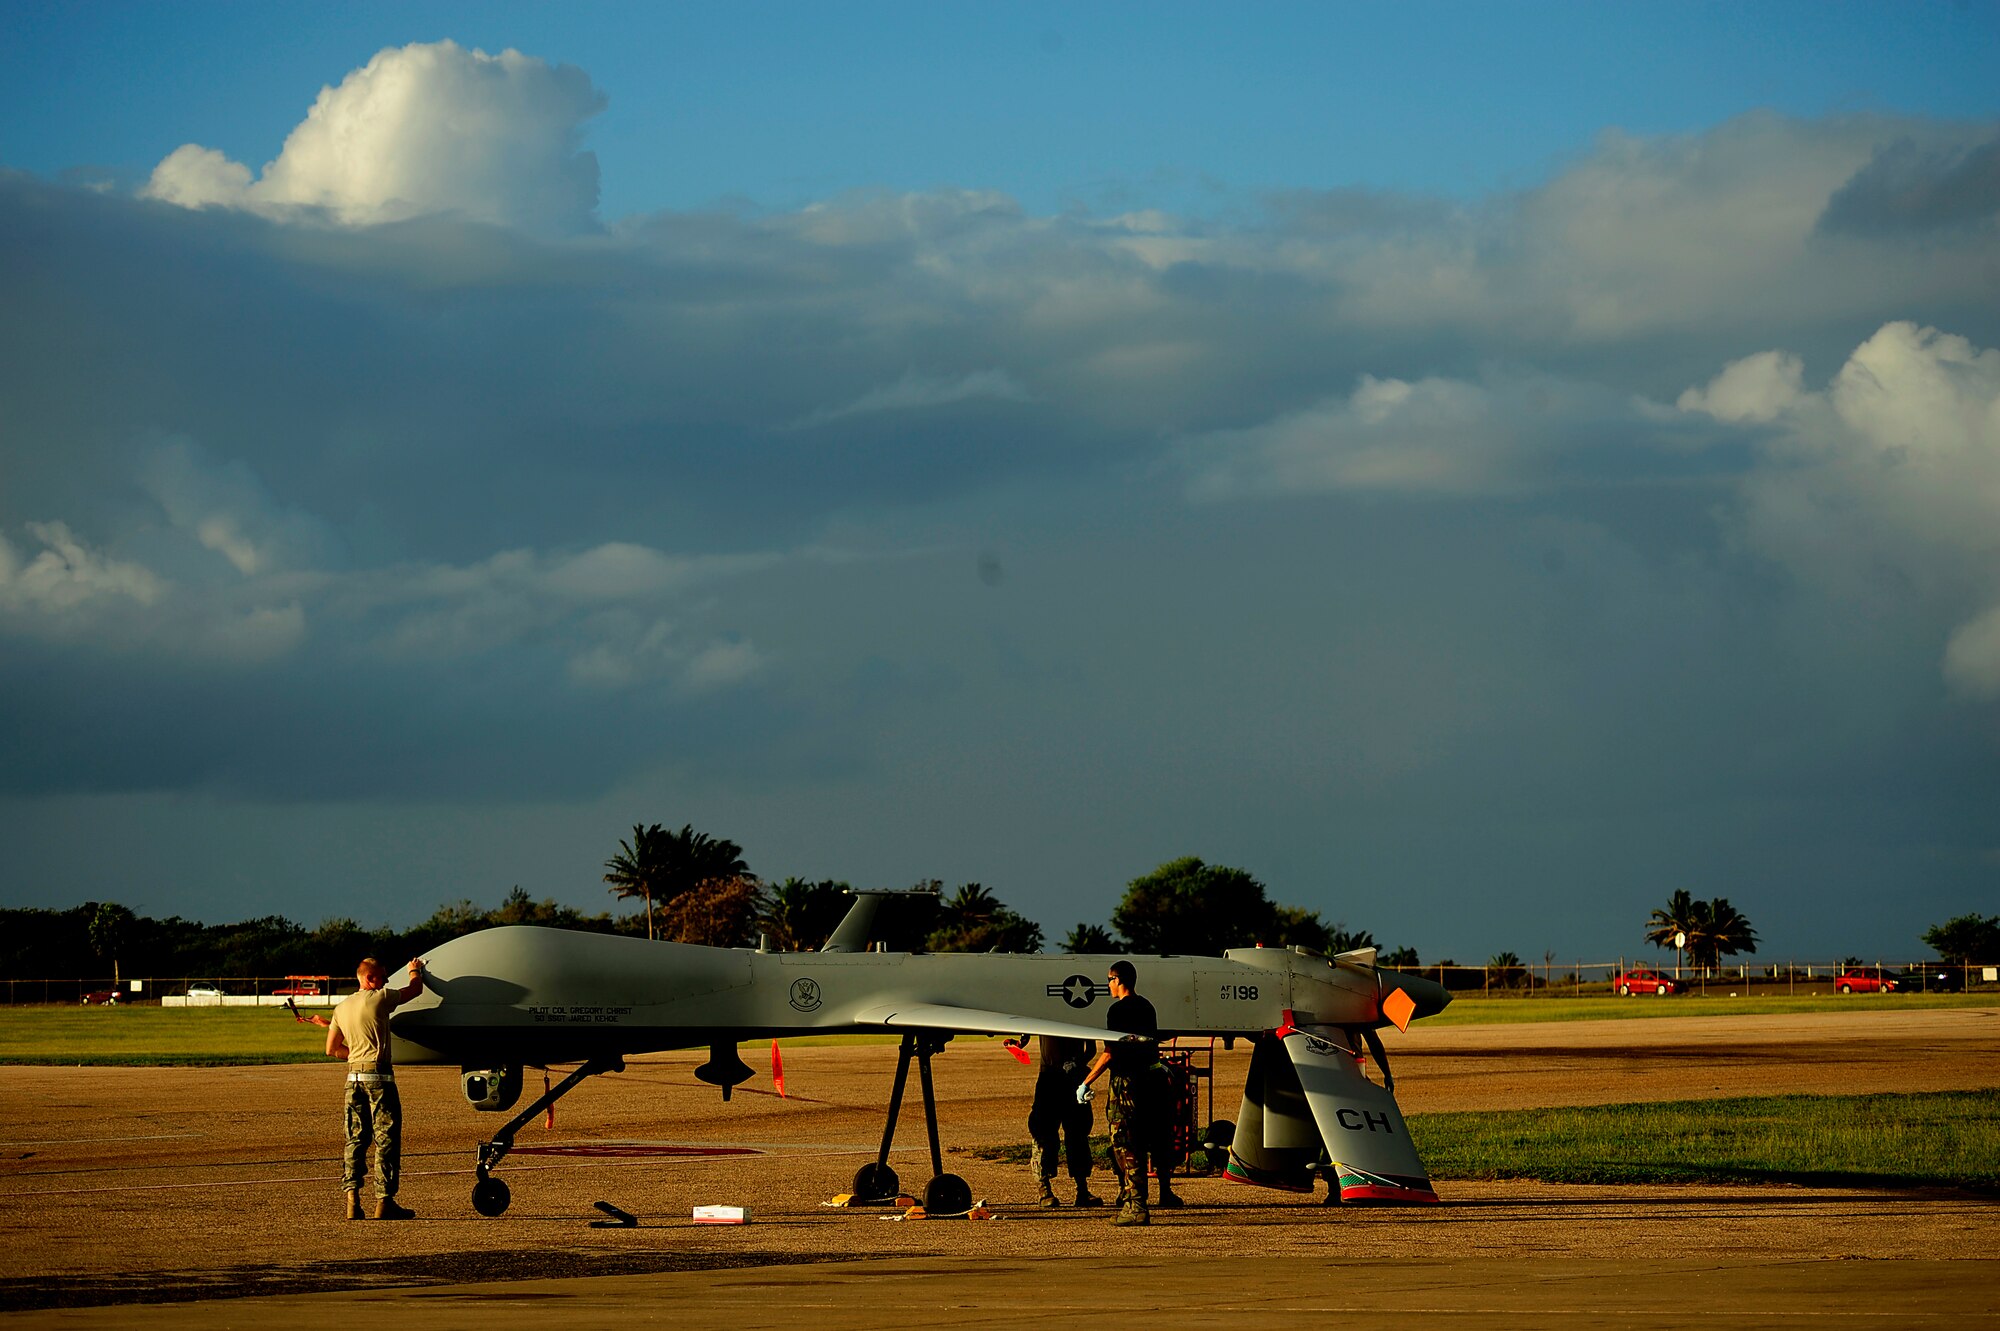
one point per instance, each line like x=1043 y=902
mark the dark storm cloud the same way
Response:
x=1913 y=190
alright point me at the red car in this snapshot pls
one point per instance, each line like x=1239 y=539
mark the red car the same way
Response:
x=1865 y=982
x=1640 y=980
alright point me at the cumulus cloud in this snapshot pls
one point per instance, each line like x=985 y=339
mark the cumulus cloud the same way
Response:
x=422 y=129
x=627 y=652
x=1756 y=388
x=1507 y=434
x=66 y=577
x=915 y=391
x=1432 y=436
x=75 y=595
x=227 y=509
x=196 y=177
x=1899 y=460
x=601 y=607
x=1972 y=656
x=1886 y=485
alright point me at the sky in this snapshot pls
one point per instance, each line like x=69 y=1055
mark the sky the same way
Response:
x=1479 y=468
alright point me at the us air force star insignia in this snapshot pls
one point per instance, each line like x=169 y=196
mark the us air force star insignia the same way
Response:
x=1077 y=991
x=805 y=994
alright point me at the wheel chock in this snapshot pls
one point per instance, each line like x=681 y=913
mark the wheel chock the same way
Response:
x=619 y=1219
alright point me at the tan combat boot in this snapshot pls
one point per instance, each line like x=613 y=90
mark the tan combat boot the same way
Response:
x=1049 y=1195
x=353 y=1211
x=386 y=1209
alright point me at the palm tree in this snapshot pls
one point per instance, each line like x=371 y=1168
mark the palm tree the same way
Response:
x=659 y=865
x=1709 y=930
x=689 y=858
x=963 y=920
x=1339 y=938
x=635 y=870
x=1728 y=933
x=971 y=904
x=799 y=916
x=972 y=919
x=1682 y=916
x=1089 y=938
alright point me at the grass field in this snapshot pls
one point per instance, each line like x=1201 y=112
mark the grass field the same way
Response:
x=147 y=1036
x=1943 y=1138
x=1476 y=1011
x=157 y=1037
x=1947 y=1139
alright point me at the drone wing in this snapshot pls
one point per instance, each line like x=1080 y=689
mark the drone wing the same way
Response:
x=970 y=1021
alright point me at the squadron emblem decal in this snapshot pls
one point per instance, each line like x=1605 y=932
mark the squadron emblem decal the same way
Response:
x=805 y=995
x=1077 y=991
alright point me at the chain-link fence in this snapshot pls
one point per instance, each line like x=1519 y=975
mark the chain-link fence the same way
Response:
x=1637 y=977
x=185 y=991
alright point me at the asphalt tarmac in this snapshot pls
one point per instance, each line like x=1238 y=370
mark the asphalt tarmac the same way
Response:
x=210 y=1196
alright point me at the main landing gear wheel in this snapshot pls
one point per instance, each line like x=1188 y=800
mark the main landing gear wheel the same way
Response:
x=490 y=1197
x=947 y=1194
x=875 y=1180
x=1216 y=1140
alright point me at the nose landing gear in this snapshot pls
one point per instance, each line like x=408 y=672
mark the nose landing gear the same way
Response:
x=490 y=1196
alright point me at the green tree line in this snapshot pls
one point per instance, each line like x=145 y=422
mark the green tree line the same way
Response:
x=104 y=938
x=695 y=888
x=691 y=887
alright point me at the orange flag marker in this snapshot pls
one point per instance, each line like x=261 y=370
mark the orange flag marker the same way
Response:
x=1399 y=1007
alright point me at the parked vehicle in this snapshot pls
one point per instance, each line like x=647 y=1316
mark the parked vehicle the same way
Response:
x=204 y=991
x=103 y=997
x=1865 y=982
x=1640 y=980
x=1935 y=978
x=298 y=985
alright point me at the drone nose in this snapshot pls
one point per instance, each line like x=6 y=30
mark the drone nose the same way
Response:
x=1428 y=997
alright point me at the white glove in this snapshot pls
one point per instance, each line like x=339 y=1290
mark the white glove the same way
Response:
x=1083 y=1092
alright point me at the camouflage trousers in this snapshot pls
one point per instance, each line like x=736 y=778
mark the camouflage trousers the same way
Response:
x=1137 y=1117
x=1060 y=1127
x=373 y=1110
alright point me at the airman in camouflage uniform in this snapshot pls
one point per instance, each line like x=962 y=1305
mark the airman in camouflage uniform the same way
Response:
x=1136 y=1109
x=359 y=1033
x=1058 y=1123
